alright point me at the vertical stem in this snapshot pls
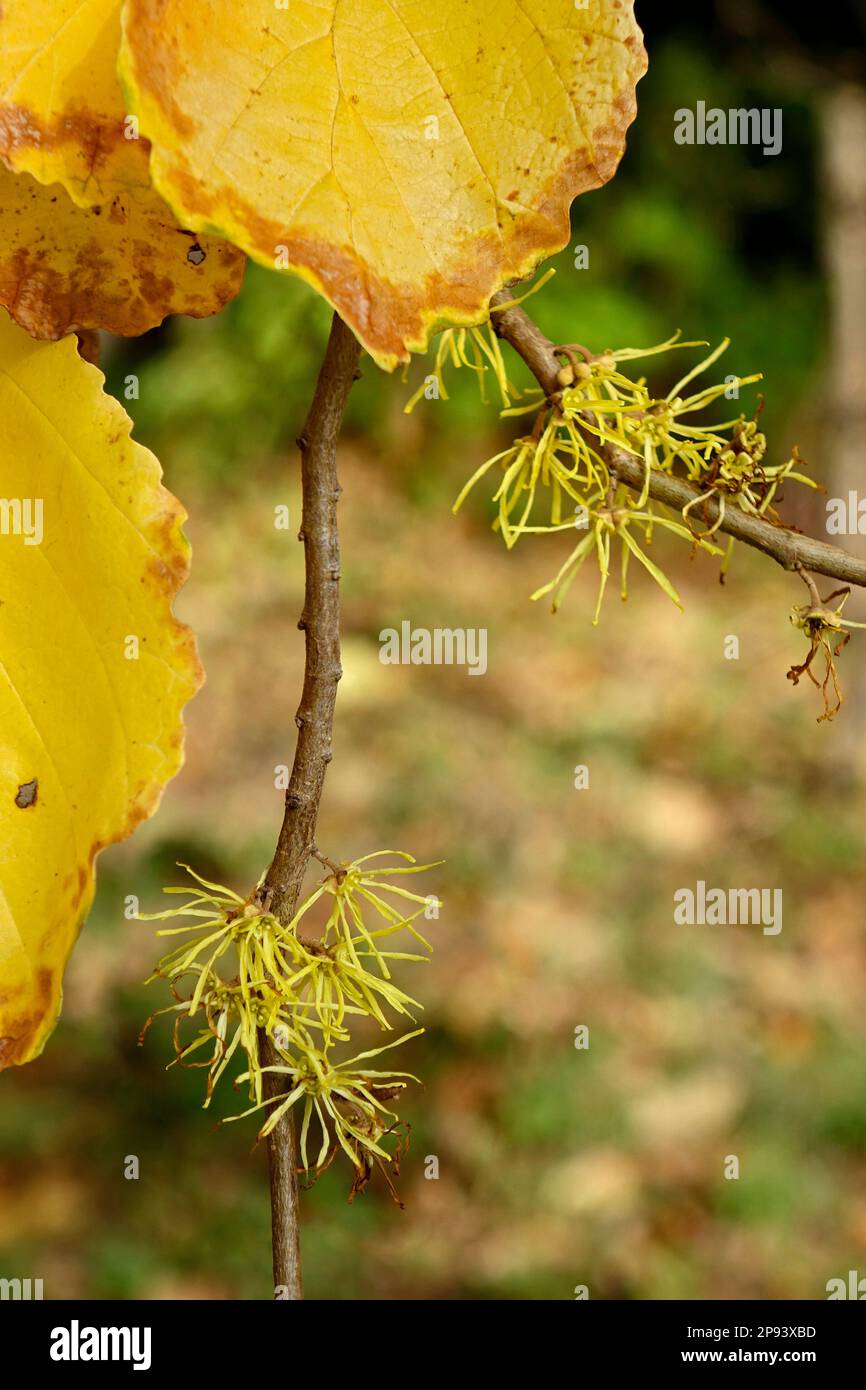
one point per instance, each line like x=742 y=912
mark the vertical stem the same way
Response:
x=285 y=1204
x=320 y=623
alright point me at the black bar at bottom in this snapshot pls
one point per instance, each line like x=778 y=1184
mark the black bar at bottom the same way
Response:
x=67 y=1341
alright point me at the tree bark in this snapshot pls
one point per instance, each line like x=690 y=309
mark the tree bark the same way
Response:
x=320 y=623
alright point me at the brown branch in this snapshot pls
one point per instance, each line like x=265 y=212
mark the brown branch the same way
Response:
x=788 y=548
x=88 y=345
x=320 y=623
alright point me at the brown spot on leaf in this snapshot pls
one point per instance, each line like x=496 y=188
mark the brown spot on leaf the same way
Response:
x=93 y=137
x=27 y=794
x=64 y=270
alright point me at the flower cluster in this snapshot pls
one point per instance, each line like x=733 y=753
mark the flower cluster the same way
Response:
x=479 y=349
x=243 y=975
x=562 y=476
x=599 y=424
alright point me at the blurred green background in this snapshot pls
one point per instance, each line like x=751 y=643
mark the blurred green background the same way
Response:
x=557 y=1167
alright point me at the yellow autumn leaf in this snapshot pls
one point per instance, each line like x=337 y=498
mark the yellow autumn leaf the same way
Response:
x=61 y=108
x=94 y=668
x=406 y=157
x=123 y=264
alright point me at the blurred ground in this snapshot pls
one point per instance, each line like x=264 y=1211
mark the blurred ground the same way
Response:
x=558 y=1167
